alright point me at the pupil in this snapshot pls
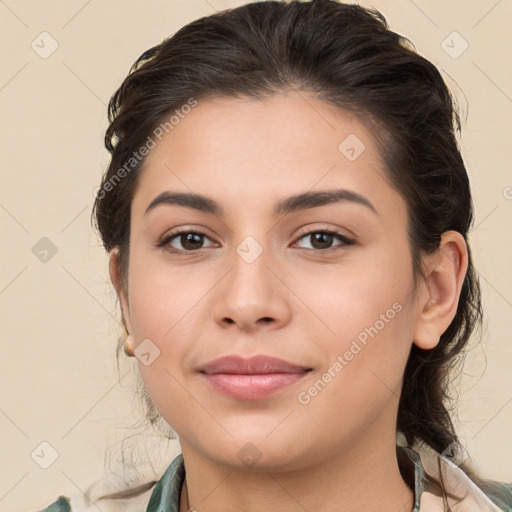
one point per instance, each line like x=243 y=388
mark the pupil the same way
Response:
x=189 y=239
x=318 y=236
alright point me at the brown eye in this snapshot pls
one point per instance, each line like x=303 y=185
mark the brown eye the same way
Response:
x=190 y=241
x=322 y=240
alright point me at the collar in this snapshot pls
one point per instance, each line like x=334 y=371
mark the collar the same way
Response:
x=167 y=491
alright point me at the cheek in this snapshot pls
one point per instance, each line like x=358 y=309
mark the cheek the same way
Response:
x=363 y=373
x=163 y=298
x=370 y=315
x=364 y=293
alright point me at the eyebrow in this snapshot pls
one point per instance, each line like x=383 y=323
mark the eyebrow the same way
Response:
x=285 y=206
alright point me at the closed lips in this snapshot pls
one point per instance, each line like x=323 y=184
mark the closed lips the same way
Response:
x=255 y=365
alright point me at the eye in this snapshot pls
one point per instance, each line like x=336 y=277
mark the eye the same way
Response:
x=322 y=239
x=189 y=240
x=192 y=241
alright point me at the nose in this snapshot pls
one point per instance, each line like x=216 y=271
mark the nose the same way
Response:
x=253 y=295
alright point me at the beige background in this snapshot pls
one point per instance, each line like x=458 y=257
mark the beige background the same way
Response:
x=59 y=318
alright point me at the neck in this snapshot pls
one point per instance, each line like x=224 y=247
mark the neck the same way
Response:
x=365 y=476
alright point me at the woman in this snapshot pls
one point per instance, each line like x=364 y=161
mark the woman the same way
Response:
x=286 y=212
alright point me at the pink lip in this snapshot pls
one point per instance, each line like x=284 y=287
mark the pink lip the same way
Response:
x=251 y=379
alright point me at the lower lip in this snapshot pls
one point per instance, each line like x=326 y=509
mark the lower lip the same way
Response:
x=251 y=387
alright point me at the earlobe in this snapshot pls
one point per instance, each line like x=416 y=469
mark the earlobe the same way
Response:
x=444 y=283
x=116 y=278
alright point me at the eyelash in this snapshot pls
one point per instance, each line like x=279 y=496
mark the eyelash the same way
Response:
x=346 y=240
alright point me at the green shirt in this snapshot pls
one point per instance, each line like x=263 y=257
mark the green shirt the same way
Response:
x=496 y=496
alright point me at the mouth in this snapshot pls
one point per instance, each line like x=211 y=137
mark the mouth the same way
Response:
x=251 y=379
x=255 y=365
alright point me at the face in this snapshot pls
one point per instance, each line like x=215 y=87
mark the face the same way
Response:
x=325 y=285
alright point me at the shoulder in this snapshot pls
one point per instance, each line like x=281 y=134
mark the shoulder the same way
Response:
x=61 y=505
x=107 y=499
x=499 y=492
x=115 y=494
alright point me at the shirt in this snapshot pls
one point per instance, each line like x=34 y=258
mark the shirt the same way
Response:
x=417 y=470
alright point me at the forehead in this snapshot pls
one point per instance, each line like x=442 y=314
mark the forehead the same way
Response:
x=249 y=153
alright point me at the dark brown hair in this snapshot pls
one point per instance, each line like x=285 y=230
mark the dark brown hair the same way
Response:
x=347 y=56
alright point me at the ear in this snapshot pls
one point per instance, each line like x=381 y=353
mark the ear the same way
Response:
x=116 y=278
x=446 y=272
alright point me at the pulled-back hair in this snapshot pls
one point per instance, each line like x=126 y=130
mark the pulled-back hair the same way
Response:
x=347 y=56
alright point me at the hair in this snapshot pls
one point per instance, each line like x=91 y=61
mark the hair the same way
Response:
x=347 y=56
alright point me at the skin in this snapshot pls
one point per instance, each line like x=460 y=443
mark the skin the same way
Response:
x=247 y=154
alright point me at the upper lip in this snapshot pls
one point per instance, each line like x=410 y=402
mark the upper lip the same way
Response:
x=255 y=365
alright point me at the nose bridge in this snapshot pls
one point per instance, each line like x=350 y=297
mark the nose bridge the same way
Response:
x=251 y=278
x=251 y=292
x=252 y=250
